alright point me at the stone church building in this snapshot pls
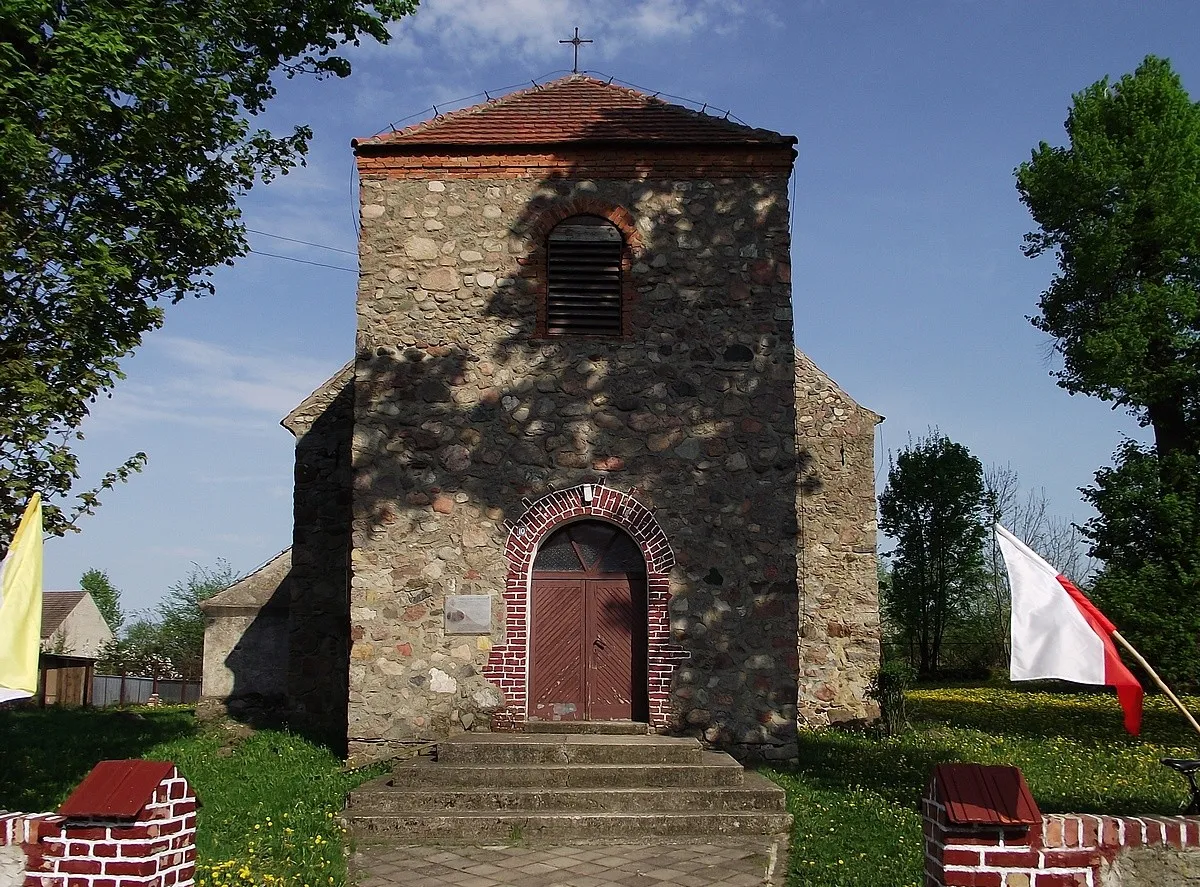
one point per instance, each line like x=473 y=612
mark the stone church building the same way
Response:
x=576 y=469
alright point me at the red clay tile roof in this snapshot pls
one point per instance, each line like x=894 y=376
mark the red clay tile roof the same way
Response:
x=116 y=790
x=975 y=794
x=56 y=606
x=572 y=109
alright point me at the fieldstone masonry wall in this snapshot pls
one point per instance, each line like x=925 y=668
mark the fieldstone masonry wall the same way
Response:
x=461 y=411
x=839 y=586
x=318 y=613
x=459 y=422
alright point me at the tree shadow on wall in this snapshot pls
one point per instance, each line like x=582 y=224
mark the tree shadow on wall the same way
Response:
x=465 y=413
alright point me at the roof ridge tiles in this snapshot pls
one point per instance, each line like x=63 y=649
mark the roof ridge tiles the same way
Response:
x=574 y=108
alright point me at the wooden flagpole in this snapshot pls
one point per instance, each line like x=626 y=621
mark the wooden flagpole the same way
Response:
x=1150 y=671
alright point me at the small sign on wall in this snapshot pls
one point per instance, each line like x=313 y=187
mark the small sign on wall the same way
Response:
x=468 y=614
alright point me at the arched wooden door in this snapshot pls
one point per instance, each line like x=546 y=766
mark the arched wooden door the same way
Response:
x=587 y=656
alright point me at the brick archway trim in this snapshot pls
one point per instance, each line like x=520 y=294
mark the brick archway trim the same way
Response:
x=533 y=263
x=508 y=663
x=585 y=206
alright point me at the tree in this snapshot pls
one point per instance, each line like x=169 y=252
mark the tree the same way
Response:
x=124 y=146
x=1120 y=209
x=169 y=642
x=1028 y=516
x=139 y=652
x=1147 y=532
x=181 y=621
x=107 y=597
x=933 y=507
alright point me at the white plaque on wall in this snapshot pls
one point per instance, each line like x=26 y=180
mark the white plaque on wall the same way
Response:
x=468 y=614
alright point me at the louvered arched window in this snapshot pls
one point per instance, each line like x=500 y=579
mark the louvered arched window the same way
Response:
x=583 y=293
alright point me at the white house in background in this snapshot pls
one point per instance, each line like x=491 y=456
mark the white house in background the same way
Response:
x=72 y=624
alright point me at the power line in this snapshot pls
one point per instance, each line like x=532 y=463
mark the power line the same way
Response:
x=704 y=109
x=305 y=242
x=258 y=252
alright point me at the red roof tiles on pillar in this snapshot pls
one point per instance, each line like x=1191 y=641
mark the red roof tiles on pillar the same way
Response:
x=977 y=795
x=116 y=790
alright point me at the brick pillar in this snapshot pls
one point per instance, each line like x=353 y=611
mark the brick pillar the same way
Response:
x=128 y=824
x=982 y=829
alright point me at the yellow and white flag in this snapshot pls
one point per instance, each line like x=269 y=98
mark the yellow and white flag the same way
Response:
x=21 y=607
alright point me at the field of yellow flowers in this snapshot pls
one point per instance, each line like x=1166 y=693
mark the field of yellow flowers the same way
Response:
x=854 y=795
x=272 y=801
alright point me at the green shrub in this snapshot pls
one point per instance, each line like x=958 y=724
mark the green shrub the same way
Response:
x=888 y=686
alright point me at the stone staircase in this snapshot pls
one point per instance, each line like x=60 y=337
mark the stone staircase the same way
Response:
x=606 y=781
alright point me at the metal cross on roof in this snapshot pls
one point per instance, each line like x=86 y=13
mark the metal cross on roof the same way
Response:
x=575 y=41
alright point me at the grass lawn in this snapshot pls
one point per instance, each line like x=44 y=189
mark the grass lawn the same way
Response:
x=270 y=802
x=855 y=796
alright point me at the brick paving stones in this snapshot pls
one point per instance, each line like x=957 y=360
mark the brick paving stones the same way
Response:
x=745 y=862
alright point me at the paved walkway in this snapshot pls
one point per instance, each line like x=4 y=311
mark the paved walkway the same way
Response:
x=741 y=863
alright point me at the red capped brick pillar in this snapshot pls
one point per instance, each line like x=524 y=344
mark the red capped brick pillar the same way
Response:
x=981 y=825
x=982 y=828
x=128 y=824
x=508 y=663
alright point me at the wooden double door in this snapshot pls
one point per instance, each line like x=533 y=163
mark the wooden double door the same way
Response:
x=588 y=627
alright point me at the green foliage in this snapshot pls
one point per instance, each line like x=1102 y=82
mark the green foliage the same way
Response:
x=170 y=642
x=180 y=620
x=272 y=807
x=48 y=750
x=1148 y=534
x=107 y=597
x=888 y=686
x=271 y=802
x=1120 y=209
x=933 y=508
x=125 y=143
x=139 y=651
x=855 y=795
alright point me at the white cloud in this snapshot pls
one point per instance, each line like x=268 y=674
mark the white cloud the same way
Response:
x=527 y=31
x=198 y=383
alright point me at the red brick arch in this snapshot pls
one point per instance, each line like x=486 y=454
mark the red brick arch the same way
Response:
x=508 y=663
x=533 y=263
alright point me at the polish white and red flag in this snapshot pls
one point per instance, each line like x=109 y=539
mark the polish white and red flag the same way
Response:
x=1058 y=633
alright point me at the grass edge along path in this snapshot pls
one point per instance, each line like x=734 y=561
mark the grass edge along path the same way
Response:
x=855 y=795
x=270 y=802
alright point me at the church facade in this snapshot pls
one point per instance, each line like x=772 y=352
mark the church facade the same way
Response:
x=577 y=469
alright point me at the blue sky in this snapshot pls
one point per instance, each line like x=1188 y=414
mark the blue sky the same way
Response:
x=910 y=288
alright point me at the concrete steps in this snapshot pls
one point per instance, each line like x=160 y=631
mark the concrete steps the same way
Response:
x=756 y=793
x=564 y=827
x=567 y=748
x=595 y=728
x=593 y=786
x=712 y=770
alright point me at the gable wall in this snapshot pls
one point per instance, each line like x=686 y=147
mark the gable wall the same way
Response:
x=82 y=633
x=460 y=414
x=839 y=583
x=318 y=581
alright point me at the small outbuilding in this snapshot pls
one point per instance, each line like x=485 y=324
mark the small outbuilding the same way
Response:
x=72 y=625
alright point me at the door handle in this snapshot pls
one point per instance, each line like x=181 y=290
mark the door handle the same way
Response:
x=598 y=643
